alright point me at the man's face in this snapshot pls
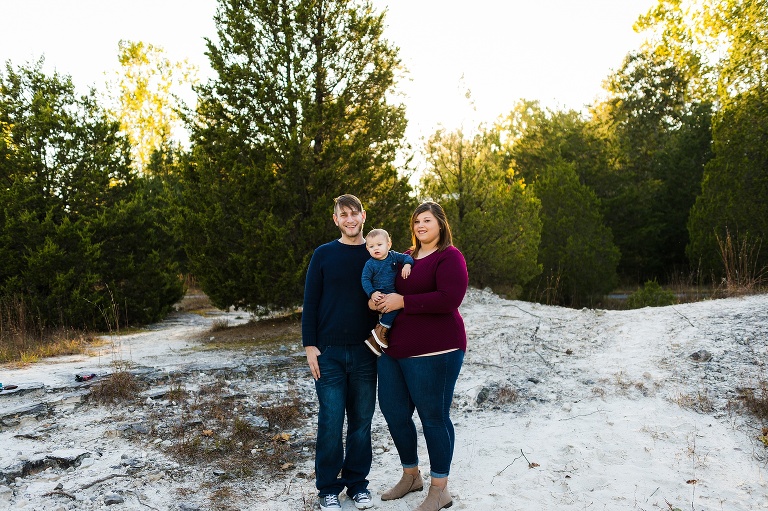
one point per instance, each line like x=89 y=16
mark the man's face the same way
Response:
x=378 y=246
x=349 y=221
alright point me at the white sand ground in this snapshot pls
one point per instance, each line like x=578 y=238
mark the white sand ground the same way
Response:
x=555 y=409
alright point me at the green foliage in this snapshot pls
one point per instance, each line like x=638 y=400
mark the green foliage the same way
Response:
x=493 y=215
x=577 y=251
x=721 y=48
x=298 y=114
x=660 y=138
x=560 y=153
x=80 y=240
x=536 y=138
x=651 y=295
x=738 y=31
x=734 y=192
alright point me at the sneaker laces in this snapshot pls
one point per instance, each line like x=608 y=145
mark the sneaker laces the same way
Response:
x=331 y=499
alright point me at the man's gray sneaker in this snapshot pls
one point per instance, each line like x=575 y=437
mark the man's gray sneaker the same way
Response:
x=363 y=500
x=329 y=503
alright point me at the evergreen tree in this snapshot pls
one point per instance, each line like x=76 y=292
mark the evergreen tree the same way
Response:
x=659 y=138
x=577 y=252
x=734 y=192
x=78 y=241
x=299 y=113
x=564 y=158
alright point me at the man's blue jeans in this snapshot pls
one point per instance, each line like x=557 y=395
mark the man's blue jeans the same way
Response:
x=347 y=384
x=424 y=384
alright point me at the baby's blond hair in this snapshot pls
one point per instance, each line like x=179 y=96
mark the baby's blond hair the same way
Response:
x=378 y=232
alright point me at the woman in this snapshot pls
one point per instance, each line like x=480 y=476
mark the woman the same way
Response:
x=418 y=370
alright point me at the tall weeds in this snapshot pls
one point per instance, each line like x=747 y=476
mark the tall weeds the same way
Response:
x=25 y=339
x=740 y=257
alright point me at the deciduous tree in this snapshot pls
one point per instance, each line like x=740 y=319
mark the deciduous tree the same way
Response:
x=147 y=95
x=494 y=216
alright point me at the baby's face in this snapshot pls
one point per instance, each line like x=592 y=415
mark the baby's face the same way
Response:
x=378 y=246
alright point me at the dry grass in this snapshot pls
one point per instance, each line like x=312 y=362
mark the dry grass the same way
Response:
x=30 y=349
x=221 y=497
x=117 y=387
x=506 y=395
x=756 y=400
x=219 y=324
x=194 y=299
x=740 y=256
x=497 y=395
x=177 y=392
x=220 y=436
x=194 y=303
x=283 y=416
x=700 y=402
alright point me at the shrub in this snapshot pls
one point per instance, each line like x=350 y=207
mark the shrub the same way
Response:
x=651 y=295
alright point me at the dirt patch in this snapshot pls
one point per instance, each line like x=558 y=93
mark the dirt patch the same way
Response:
x=267 y=333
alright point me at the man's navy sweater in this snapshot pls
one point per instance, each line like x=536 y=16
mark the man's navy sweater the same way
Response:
x=335 y=305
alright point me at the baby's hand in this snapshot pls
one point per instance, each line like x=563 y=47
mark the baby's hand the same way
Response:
x=406 y=271
x=377 y=296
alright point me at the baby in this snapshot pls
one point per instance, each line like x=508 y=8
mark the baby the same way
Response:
x=379 y=279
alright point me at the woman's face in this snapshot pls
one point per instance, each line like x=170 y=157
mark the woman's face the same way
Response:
x=426 y=228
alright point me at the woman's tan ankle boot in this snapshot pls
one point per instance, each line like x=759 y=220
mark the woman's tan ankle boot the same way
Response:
x=404 y=486
x=437 y=498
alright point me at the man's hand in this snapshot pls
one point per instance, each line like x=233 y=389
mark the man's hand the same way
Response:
x=405 y=271
x=312 y=354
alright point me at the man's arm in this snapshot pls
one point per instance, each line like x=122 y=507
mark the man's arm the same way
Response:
x=313 y=291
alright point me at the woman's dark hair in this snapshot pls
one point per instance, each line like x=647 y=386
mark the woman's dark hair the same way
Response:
x=445 y=239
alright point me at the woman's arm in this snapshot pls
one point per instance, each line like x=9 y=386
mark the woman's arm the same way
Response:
x=390 y=302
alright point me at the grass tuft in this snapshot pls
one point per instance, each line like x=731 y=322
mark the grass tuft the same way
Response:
x=740 y=258
x=700 y=402
x=283 y=416
x=116 y=387
x=756 y=401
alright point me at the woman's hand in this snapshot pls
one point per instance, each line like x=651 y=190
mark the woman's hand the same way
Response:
x=390 y=302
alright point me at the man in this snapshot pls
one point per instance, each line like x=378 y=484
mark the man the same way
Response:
x=335 y=323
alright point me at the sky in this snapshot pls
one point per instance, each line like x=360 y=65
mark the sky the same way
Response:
x=501 y=51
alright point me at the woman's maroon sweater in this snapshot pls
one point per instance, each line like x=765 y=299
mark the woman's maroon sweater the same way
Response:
x=430 y=320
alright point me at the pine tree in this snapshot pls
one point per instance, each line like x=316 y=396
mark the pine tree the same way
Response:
x=298 y=114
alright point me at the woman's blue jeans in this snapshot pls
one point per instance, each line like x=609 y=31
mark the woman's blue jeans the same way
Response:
x=347 y=385
x=424 y=384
